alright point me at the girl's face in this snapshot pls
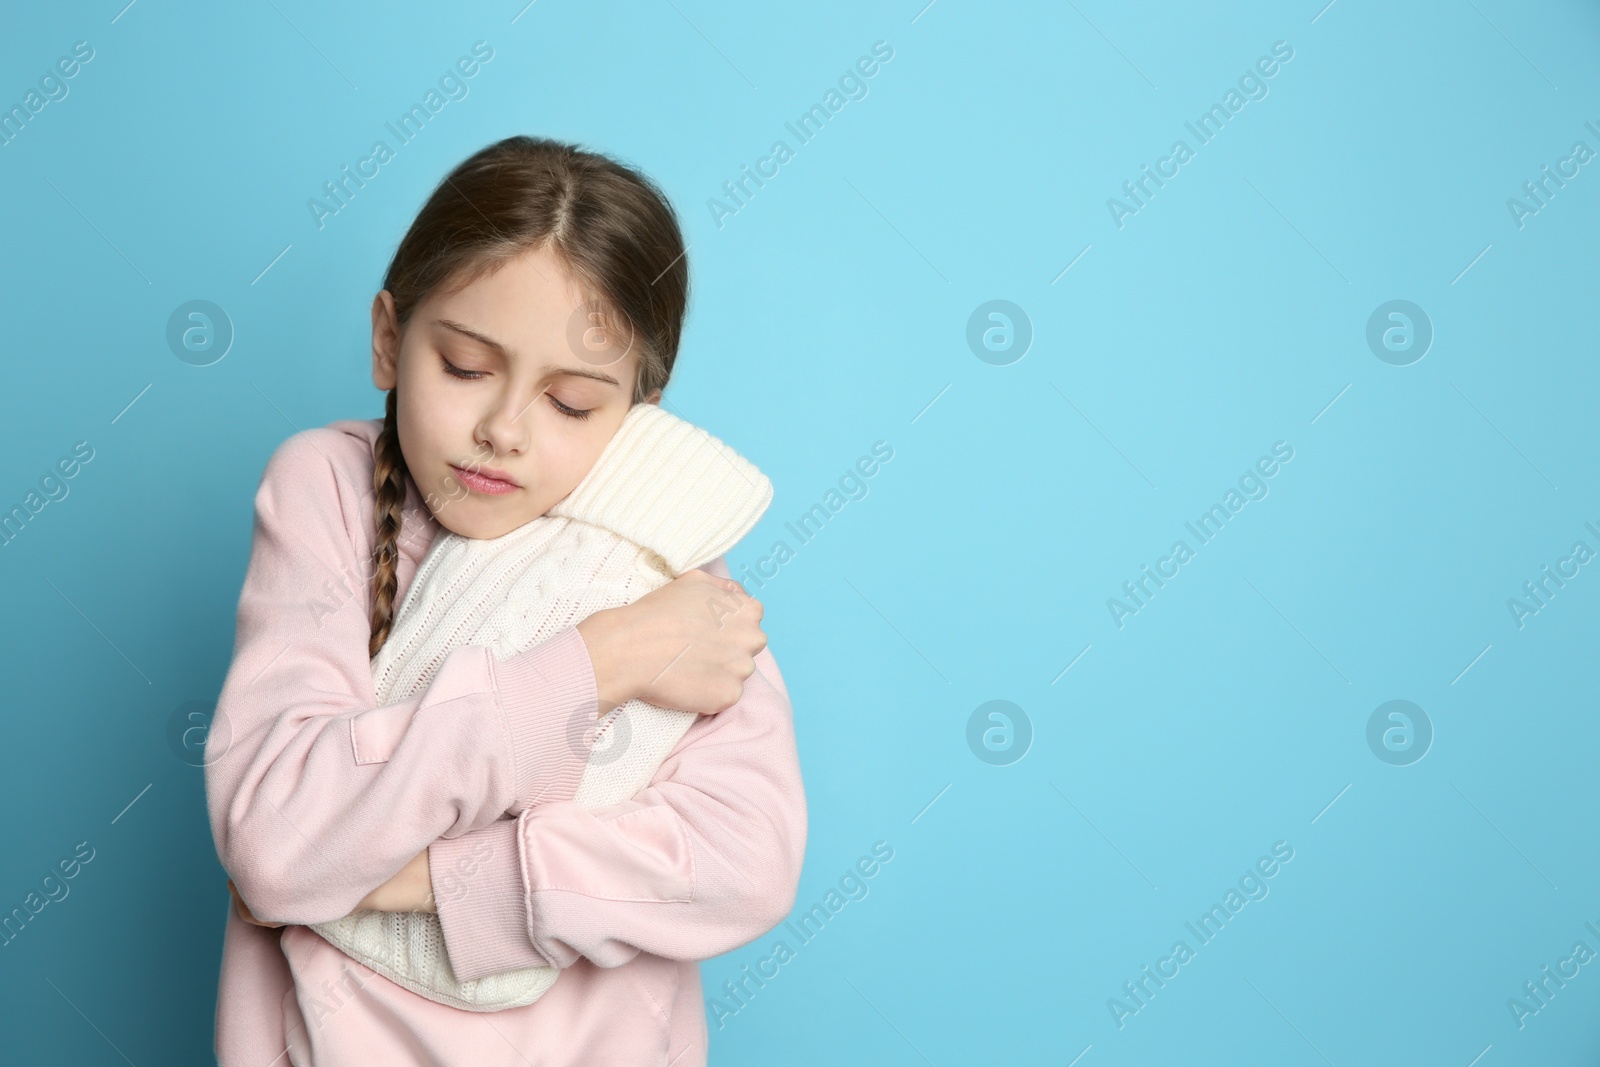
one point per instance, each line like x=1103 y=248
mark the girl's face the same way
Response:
x=508 y=379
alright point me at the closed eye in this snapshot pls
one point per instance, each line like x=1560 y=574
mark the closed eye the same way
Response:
x=456 y=372
x=573 y=413
x=470 y=376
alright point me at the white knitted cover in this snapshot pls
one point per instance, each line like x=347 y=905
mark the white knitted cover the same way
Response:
x=663 y=498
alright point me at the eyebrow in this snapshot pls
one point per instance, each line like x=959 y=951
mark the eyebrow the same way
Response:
x=490 y=342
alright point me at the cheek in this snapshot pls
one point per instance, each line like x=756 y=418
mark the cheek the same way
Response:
x=424 y=420
x=412 y=412
x=571 y=454
x=564 y=466
x=430 y=411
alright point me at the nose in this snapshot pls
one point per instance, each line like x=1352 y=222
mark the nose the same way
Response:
x=504 y=427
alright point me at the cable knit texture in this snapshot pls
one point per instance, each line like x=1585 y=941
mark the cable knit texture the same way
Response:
x=663 y=498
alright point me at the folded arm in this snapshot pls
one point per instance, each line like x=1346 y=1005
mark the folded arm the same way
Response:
x=703 y=860
x=316 y=794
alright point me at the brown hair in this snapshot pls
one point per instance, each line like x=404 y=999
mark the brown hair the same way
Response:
x=610 y=225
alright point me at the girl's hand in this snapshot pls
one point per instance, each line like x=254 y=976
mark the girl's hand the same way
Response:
x=688 y=645
x=244 y=909
x=411 y=889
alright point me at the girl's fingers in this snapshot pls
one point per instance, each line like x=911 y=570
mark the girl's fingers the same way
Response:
x=727 y=585
x=244 y=909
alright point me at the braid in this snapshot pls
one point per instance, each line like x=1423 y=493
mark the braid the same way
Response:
x=389 y=484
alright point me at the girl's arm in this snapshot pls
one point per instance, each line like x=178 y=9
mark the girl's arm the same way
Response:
x=316 y=795
x=705 y=859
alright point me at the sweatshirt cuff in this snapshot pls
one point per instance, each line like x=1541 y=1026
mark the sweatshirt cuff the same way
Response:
x=477 y=887
x=550 y=703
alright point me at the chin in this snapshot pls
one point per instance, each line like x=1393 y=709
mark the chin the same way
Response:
x=480 y=527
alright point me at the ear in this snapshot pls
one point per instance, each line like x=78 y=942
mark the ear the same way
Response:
x=385 y=342
x=653 y=398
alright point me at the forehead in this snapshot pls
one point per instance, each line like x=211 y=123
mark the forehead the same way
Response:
x=534 y=280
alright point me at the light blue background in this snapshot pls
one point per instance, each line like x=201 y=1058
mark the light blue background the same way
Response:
x=1229 y=313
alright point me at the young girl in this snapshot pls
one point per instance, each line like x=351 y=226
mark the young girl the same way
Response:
x=324 y=803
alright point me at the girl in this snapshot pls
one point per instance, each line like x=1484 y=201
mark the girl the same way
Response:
x=323 y=803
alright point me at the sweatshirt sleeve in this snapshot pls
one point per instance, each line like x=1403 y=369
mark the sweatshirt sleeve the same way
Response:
x=703 y=860
x=316 y=795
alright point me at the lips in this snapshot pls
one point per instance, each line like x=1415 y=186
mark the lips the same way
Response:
x=485 y=480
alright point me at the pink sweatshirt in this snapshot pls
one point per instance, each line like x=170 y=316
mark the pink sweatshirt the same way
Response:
x=317 y=797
